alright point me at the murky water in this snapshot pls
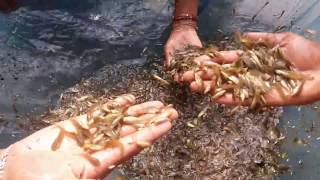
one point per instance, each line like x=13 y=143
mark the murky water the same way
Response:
x=47 y=47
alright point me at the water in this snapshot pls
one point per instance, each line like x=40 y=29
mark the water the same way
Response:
x=47 y=47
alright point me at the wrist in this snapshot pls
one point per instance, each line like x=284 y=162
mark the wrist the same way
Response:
x=184 y=24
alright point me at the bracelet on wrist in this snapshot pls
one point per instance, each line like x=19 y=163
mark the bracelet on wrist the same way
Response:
x=184 y=21
x=186 y=24
x=184 y=17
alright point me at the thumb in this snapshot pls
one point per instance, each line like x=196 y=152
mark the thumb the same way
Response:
x=168 y=55
x=130 y=147
x=271 y=39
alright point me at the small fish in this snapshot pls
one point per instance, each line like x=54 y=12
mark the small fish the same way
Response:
x=311 y=31
x=162 y=81
x=74 y=136
x=273 y=133
x=151 y=110
x=297 y=89
x=207 y=89
x=245 y=42
x=218 y=94
x=121 y=178
x=198 y=80
x=299 y=141
x=189 y=124
x=143 y=144
x=280 y=90
x=292 y=83
x=58 y=141
x=234 y=110
x=256 y=99
x=204 y=111
x=225 y=74
x=234 y=79
x=293 y=75
x=159 y=119
x=97 y=138
x=147 y=117
x=227 y=87
x=93 y=147
x=255 y=59
x=211 y=64
x=286 y=87
x=116 y=121
x=263 y=99
x=116 y=144
x=106 y=108
x=144 y=50
x=282 y=13
x=91 y=111
x=280 y=28
x=94 y=161
x=112 y=117
x=242 y=96
x=83 y=98
x=132 y=120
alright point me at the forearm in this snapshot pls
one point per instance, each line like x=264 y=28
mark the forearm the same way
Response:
x=183 y=7
x=185 y=14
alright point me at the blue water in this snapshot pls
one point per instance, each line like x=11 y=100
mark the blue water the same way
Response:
x=49 y=46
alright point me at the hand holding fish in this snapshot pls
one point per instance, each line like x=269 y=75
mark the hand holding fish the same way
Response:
x=72 y=150
x=181 y=37
x=302 y=54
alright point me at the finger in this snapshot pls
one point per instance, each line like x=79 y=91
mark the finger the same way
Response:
x=207 y=74
x=226 y=57
x=169 y=55
x=271 y=39
x=124 y=100
x=113 y=156
x=205 y=88
x=308 y=94
x=189 y=76
x=126 y=130
x=201 y=59
x=228 y=99
x=167 y=113
x=281 y=97
x=172 y=114
x=143 y=108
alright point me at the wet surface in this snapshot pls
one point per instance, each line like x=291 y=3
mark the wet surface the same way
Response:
x=301 y=126
x=46 y=48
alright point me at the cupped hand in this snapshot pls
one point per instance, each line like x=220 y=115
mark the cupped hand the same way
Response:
x=181 y=37
x=304 y=55
x=33 y=157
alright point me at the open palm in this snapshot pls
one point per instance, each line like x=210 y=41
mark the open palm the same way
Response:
x=33 y=158
x=302 y=53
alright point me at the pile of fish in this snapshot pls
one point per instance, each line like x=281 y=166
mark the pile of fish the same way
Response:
x=212 y=143
x=258 y=70
x=103 y=124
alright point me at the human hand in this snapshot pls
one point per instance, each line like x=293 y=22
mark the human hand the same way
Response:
x=182 y=35
x=302 y=53
x=33 y=157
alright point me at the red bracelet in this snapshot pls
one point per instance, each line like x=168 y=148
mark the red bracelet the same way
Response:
x=184 y=17
x=184 y=25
